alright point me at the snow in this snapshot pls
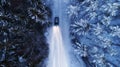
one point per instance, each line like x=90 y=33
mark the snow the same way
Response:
x=96 y=25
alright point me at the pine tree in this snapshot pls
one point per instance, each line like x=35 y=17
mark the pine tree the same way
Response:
x=95 y=31
x=22 y=27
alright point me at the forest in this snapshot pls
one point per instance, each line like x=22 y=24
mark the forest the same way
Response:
x=93 y=32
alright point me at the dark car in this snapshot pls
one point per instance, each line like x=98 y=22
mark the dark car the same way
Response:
x=56 y=21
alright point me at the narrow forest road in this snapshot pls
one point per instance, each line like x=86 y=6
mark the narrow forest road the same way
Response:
x=59 y=8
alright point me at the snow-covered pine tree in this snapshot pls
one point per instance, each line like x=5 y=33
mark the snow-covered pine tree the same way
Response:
x=95 y=31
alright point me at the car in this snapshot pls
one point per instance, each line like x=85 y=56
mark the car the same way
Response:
x=56 y=21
